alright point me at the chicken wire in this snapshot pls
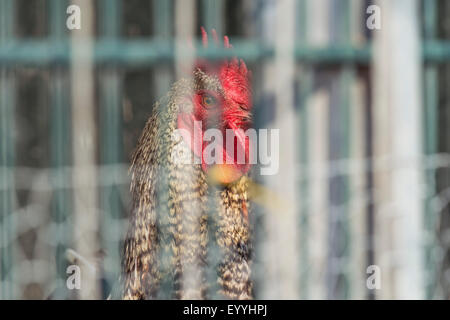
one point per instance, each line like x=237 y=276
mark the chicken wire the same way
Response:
x=340 y=215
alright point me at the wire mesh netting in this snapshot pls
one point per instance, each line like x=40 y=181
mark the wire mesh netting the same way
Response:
x=359 y=205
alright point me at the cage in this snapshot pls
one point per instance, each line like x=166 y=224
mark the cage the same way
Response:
x=359 y=205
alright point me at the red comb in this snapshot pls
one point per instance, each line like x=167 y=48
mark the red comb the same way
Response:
x=215 y=37
x=238 y=64
x=226 y=40
x=233 y=74
x=204 y=37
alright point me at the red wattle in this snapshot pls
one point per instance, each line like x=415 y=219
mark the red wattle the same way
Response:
x=192 y=134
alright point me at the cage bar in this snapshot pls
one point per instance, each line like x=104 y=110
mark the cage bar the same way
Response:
x=311 y=54
x=282 y=233
x=60 y=150
x=398 y=138
x=304 y=88
x=84 y=151
x=111 y=143
x=7 y=159
x=212 y=15
x=316 y=145
x=142 y=52
x=162 y=24
x=339 y=235
x=430 y=148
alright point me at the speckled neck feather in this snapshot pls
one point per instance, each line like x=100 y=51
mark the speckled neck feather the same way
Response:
x=179 y=224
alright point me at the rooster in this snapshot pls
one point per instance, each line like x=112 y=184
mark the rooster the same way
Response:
x=178 y=209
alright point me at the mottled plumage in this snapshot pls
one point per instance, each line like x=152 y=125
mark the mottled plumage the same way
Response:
x=176 y=210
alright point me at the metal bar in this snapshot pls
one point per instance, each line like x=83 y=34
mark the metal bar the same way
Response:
x=163 y=17
x=110 y=144
x=304 y=87
x=430 y=147
x=7 y=23
x=317 y=34
x=60 y=150
x=190 y=280
x=357 y=208
x=148 y=52
x=282 y=230
x=212 y=15
x=84 y=149
x=7 y=159
x=339 y=132
x=110 y=18
x=344 y=237
x=399 y=135
x=369 y=184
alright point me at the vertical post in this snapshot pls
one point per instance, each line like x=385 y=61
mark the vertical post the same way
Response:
x=212 y=15
x=315 y=143
x=282 y=236
x=110 y=144
x=60 y=146
x=7 y=150
x=162 y=19
x=185 y=21
x=431 y=147
x=304 y=88
x=360 y=200
x=357 y=167
x=84 y=147
x=339 y=149
x=398 y=142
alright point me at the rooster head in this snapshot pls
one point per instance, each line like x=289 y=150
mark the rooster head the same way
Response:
x=221 y=100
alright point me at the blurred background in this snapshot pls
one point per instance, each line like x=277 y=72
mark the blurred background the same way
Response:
x=362 y=106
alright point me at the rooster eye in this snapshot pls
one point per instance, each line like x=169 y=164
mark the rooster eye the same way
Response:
x=209 y=101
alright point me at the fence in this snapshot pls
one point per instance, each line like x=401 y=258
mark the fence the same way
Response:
x=317 y=75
